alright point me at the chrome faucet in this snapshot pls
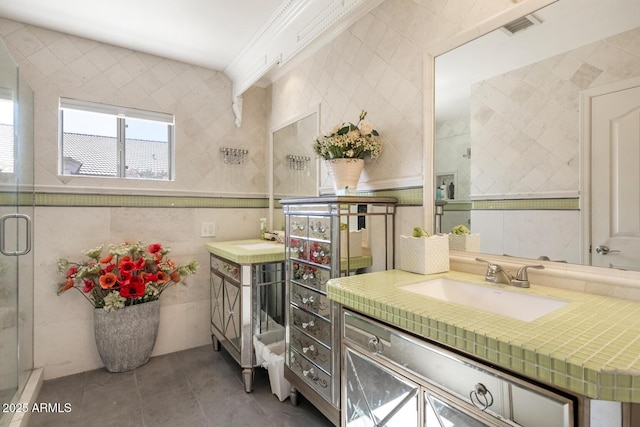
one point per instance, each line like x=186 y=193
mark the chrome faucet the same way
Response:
x=496 y=274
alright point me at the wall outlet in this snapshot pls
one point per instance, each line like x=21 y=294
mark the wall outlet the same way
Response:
x=208 y=229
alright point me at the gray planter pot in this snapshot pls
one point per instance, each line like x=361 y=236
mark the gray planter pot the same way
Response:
x=125 y=338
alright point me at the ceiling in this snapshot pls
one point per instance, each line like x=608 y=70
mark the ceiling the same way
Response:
x=208 y=33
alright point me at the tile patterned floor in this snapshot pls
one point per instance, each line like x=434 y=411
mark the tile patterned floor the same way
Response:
x=191 y=388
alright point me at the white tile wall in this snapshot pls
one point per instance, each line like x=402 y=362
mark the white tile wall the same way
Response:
x=524 y=124
x=57 y=64
x=375 y=65
x=529 y=234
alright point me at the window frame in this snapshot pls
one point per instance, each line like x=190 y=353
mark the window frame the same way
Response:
x=121 y=114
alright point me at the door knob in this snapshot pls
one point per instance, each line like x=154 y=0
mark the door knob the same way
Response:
x=604 y=250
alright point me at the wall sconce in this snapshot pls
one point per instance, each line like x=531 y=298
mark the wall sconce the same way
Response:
x=234 y=156
x=298 y=163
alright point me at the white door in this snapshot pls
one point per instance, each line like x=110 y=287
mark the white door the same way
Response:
x=615 y=177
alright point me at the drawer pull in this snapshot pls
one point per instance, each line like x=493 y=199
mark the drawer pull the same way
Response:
x=306 y=349
x=307 y=324
x=481 y=397
x=307 y=300
x=374 y=345
x=311 y=374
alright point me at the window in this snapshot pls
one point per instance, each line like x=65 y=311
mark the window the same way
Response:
x=109 y=141
x=6 y=133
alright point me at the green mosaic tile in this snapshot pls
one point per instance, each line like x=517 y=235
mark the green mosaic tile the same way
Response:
x=622 y=395
x=112 y=200
x=559 y=379
x=559 y=366
x=543 y=360
x=591 y=389
x=406 y=197
x=527 y=204
x=606 y=393
x=574 y=371
x=544 y=374
x=590 y=361
x=530 y=369
x=607 y=380
x=492 y=344
x=623 y=380
x=457 y=207
x=591 y=376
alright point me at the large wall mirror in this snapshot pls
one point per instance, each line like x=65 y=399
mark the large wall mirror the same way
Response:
x=517 y=115
x=293 y=165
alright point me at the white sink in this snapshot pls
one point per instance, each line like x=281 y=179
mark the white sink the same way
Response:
x=517 y=305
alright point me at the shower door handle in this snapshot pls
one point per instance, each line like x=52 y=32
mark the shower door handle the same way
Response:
x=3 y=225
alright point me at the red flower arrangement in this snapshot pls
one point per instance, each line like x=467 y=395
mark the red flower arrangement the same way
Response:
x=130 y=273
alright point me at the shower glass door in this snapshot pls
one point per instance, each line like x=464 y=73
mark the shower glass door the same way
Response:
x=16 y=211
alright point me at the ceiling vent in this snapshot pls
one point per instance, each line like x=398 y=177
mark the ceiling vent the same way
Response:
x=521 y=24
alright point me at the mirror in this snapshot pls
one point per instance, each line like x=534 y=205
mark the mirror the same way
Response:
x=508 y=149
x=294 y=166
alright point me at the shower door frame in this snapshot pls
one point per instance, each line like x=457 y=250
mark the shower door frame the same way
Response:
x=16 y=237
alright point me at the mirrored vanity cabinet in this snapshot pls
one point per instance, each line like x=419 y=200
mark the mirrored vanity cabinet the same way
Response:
x=247 y=298
x=327 y=237
x=393 y=378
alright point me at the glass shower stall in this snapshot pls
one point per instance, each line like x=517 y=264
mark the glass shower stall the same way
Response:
x=16 y=257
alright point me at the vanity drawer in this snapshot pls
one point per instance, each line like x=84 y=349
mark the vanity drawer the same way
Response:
x=320 y=228
x=311 y=324
x=311 y=348
x=311 y=300
x=226 y=268
x=299 y=226
x=433 y=364
x=310 y=250
x=310 y=275
x=311 y=373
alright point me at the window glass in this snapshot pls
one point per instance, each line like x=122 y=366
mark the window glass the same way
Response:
x=6 y=136
x=146 y=149
x=89 y=143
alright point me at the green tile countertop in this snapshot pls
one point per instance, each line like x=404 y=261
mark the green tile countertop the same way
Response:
x=590 y=346
x=254 y=251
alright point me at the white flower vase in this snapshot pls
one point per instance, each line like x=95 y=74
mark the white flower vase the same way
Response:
x=345 y=174
x=125 y=337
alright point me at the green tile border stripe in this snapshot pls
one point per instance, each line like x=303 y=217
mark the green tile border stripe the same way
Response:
x=458 y=206
x=16 y=199
x=115 y=200
x=405 y=196
x=127 y=200
x=527 y=204
x=410 y=196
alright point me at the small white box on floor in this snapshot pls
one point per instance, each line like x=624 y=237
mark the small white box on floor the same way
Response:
x=464 y=242
x=424 y=255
